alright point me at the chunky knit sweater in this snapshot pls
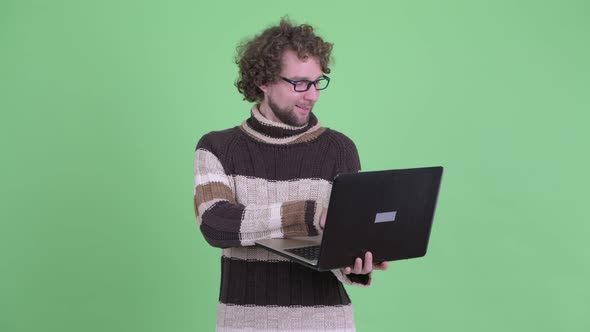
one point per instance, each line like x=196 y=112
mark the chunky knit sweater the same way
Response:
x=265 y=179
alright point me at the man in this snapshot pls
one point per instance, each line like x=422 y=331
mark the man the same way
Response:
x=271 y=178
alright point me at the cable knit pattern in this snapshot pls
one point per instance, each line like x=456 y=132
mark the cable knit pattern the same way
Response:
x=260 y=180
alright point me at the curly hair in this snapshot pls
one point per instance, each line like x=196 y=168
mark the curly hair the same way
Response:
x=259 y=59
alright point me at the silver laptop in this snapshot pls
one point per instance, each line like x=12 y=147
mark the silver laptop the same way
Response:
x=389 y=213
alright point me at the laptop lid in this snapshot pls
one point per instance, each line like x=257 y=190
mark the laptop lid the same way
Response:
x=389 y=213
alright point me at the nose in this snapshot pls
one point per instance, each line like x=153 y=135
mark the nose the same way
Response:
x=312 y=94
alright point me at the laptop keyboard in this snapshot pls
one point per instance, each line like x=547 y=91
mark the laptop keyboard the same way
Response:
x=311 y=252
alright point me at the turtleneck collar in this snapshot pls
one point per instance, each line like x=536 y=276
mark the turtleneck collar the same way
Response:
x=268 y=131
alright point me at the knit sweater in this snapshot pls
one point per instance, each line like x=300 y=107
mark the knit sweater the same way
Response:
x=265 y=179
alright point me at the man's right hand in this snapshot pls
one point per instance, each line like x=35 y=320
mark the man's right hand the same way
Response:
x=365 y=266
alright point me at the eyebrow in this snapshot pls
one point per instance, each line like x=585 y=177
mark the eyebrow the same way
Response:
x=299 y=78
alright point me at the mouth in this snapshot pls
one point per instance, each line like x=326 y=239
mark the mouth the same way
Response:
x=304 y=108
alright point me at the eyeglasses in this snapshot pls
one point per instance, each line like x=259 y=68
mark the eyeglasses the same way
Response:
x=304 y=85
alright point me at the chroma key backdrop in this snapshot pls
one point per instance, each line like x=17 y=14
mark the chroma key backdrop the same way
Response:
x=102 y=104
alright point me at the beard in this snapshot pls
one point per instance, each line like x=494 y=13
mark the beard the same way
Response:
x=288 y=115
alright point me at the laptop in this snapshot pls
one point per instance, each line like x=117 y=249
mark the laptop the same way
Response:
x=388 y=213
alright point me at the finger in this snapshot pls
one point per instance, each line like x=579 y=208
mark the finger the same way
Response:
x=382 y=266
x=347 y=270
x=358 y=266
x=368 y=266
x=323 y=218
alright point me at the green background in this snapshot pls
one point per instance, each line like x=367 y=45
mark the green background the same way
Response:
x=102 y=103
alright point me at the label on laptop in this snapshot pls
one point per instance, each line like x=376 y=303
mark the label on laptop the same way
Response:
x=385 y=216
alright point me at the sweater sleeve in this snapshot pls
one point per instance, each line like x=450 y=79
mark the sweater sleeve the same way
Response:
x=227 y=223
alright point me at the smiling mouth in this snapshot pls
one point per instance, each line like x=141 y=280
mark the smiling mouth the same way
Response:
x=304 y=108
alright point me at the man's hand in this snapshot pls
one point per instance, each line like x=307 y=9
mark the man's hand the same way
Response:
x=366 y=267
x=323 y=218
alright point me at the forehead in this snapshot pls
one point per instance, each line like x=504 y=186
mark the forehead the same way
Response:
x=295 y=68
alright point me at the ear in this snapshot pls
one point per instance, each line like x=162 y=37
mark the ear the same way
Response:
x=263 y=87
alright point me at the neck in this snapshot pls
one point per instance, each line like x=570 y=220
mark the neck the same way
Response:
x=264 y=129
x=267 y=112
x=269 y=117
